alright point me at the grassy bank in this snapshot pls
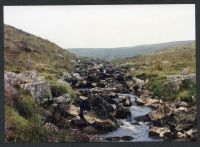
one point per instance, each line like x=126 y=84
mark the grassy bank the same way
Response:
x=157 y=66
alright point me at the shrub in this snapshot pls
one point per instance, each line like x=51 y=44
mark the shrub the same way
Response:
x=188 y=92
x=156 y=86
x=61 y=88
x=27 y=106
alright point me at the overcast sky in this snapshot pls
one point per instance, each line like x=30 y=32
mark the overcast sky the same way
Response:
x=105 y=26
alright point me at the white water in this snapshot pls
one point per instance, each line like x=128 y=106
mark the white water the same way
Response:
x=127 y=127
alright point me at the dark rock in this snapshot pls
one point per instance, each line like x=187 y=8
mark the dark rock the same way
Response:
x=135 y=123
x=112 y=139
x=127 y=138
x=143 y=118
x=78 y=122
x=126 y=101
x=122 y=112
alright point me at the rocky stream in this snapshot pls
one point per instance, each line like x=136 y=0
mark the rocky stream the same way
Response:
x=111 y=105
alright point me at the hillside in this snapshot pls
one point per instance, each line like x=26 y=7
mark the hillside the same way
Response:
x=165 y=66
x=38 y=63
x=124 y=52
x=32 y=52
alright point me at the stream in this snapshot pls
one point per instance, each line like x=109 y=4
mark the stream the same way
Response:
x=130 y=127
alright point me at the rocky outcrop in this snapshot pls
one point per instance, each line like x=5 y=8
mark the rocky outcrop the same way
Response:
x=37 y=85
x=176 y=81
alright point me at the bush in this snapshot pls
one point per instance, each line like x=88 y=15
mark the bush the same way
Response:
x=60 y=88
x=27 y=106
x=156 y=86
x=188 y=92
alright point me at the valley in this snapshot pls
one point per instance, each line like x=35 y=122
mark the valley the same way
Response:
x=65 y=97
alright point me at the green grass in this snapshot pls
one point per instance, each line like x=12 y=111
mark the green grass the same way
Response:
x=158 y=65
x=27 y=106
x=43 y=55
x=60 y=88
x=24 y=123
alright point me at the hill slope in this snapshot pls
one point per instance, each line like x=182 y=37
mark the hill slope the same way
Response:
x=124 y=52
x=24 y=51
x=159 y=67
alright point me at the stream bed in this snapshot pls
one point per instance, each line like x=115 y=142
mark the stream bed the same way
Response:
x=130 y=127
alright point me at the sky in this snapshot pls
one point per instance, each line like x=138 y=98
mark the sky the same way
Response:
x=105 y=26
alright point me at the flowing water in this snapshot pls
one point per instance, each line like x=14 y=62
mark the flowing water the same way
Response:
x=129 y=127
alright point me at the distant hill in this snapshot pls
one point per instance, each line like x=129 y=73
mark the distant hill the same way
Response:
x=124 y=52
x=24 y=51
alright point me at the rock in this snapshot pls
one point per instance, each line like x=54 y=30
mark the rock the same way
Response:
x=135 y=84
x=10 y=78
x=142 y=118
x=28 y=77
x=54 y=105
x=176 y=81
x=66 y=98
x=100 y=107
x=78 y=122
x=113 y=95
x=125 y=100
x=185 y=71
x=114 y=106
x=192 y=134
x=163 y=111
x=127 y=138
x=179 y=120
x=112 y=139
x=183 y=104
x=66 y=77
x=73 y=110
x=138 y=84
x=140 y=101
x=77 y=76
x=175 y=85
x=162 y=132
x=122 y=112
x=184 y=118
x=119 y=77
x=94 y=84
x=83 y=97
x=149 y=102
x=119 y=87
x=51 y=127
x=133 y=69
x=38 y=87
x=117 y=138
x=180 y=135
x=40 y=90
x=102 y=125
